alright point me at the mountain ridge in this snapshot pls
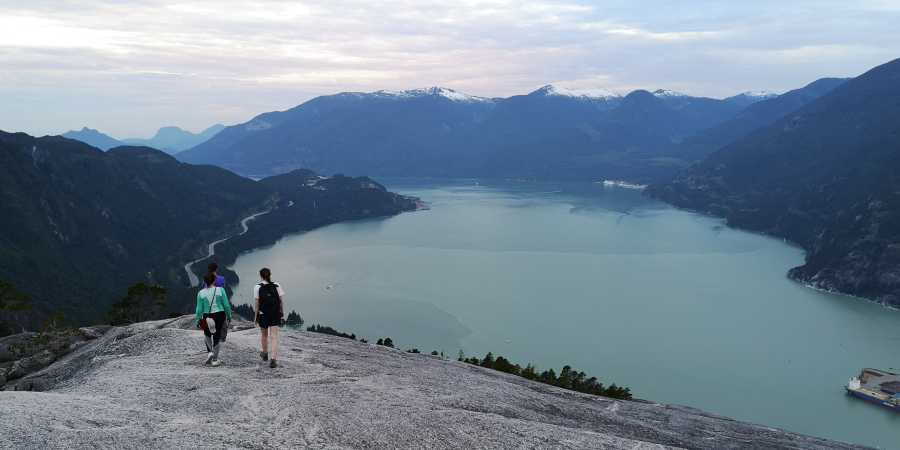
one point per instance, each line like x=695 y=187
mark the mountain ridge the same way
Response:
x=441 y=132
x=135 y=214
x=93 y=138
x=170 y=139
x=823 y=176
x=757 y=115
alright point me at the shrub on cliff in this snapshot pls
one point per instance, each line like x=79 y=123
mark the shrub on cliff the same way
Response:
x=14 y=305
x=294 y=320
x=246 y=311
x=143 y=302
x=568 y=378
x=316 y=328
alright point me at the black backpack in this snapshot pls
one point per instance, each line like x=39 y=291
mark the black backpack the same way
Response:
x=268 y=297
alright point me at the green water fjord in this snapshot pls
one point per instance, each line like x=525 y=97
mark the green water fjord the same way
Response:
x=672 y=304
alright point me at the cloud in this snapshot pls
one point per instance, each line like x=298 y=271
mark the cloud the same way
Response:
x=128 y=67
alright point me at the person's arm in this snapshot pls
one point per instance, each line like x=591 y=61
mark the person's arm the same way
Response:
x=256 y=304
x=281 y=301
x=226 y=305
x=198 y=313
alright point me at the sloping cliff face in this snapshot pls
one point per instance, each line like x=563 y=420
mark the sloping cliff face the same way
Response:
x=824 y=176
x=146 y=386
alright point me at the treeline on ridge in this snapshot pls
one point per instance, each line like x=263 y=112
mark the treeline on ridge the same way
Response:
x=568 y=377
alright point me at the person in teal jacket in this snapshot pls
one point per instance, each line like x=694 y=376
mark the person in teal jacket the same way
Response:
x=213 y=310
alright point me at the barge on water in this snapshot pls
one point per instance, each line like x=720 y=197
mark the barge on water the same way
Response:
x=877 y=386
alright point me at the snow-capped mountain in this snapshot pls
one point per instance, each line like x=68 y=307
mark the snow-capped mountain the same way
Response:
x=750 y=97
x=667 y=93
x=434 y=91
x=759 y=94
x=593 y=94
x=552 y=132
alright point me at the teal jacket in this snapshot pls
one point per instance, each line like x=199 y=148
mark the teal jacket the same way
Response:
x=204 y=302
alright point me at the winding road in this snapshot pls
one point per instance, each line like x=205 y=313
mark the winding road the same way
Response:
x=211 y=249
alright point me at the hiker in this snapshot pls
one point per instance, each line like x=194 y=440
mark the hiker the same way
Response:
x=269 y=315
x=213 y=268
x=213 y=310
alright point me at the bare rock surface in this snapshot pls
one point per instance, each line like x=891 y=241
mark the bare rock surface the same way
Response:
x=145 y=386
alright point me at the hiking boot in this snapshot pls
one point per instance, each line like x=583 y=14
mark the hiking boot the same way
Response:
x=264 y=356
x=273 y=364
x=216 y=363
x=209 y=358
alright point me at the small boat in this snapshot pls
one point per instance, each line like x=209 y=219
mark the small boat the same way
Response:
x=876 y=386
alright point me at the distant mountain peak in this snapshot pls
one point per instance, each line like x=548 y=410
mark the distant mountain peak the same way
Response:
x=435 y=91
x=668 y=93
x=93 y=137
x=173 y=139
x=557 y=91
x=759 y=94
x=750 y=97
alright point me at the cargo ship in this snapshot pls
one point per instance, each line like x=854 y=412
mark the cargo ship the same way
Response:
x=876 y=386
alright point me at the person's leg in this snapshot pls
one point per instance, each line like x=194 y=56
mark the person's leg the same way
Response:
x=273 y=346
x=208 y=338
x=264 y=343
x=219 y=319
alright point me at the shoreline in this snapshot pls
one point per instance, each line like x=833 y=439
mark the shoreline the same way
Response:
x=786 y=241
x=227 y=260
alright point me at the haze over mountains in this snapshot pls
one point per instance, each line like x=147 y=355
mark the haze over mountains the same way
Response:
x=94 y=138
x=169 y=139
x=551 y=132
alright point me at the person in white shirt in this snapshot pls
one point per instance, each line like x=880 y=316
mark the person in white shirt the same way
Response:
x=269 y=315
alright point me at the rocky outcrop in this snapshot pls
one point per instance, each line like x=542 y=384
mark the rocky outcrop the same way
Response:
x=146 y=385
x=26 y=353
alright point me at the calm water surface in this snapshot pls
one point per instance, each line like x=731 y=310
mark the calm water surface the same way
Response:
x=672 y=304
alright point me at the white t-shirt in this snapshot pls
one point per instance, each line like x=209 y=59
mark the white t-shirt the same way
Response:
x=258 y=285
x=210 y=294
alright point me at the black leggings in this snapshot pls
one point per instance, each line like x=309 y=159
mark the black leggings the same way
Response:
x=219 y=319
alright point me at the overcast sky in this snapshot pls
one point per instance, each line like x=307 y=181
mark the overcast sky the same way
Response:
x=128 y=67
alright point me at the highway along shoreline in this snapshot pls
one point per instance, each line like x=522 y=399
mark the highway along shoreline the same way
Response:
x=193 y=280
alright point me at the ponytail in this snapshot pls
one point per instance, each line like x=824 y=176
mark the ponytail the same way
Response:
x=266 y=274
x=209 y=279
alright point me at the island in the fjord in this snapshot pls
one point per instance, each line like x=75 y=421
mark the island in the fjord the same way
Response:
x=145 y=385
